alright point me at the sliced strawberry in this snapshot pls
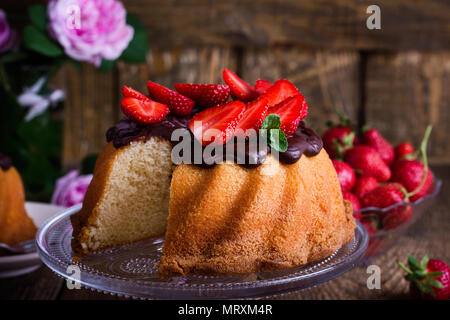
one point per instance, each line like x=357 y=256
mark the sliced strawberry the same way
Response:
x=240 y=90
x=205 y=95
x=130 y=92
x=291 y=111
x=144 y=111
x=176 y=102
x=254 y=115
x=261 y=85
x=223 y=119
x=281 y=90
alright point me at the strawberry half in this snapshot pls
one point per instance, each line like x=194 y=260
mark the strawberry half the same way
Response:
x=130 y=92
x=280 y=91
x=240 y=90
x=217 y=124
x=144 y=111
x=262 y=86
x=205 y=95
x=254 y=115
x=291 y=111
x=176 y=102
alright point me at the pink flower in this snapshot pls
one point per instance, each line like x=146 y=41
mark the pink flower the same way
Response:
x=90 y=30
x=8 y=36
x=70 y=189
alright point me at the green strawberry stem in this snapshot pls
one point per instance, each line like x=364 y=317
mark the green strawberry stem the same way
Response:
x=405 y=268
x=422 y=279
x=423 y=152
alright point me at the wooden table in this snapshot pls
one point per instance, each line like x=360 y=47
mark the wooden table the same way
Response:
x=429 y=235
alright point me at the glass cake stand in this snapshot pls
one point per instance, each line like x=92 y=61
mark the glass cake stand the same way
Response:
x=131 y=271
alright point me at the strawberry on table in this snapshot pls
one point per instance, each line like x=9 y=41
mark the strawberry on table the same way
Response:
x=205 y=95
x=261 y=86
x=177 y=103
x=144 y=111
x=345 y=173
x=403 y=150
x=367 y=162
x=240 y=89
x=254 y=115
x=217 y=124
x=291 y=111
x=280 y=91
x=338 y=139
x=374 y=139
x=364 y=185
x=429 y=279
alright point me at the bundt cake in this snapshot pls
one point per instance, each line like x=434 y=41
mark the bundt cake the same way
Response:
x=15 y=224
x=278 y=205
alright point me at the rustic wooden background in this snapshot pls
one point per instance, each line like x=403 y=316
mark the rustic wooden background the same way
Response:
x=396 y=79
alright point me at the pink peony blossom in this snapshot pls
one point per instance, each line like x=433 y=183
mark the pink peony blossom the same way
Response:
x=8 y=36
x=90 y=30
x=70 y=189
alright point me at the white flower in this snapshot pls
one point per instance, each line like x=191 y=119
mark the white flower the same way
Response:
x=37 y=104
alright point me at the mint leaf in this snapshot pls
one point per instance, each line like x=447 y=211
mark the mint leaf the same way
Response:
x=278 y=140
x=272 y=121
x=35 y=40
x=38 y=15
x=137 y=48
x=271 y=131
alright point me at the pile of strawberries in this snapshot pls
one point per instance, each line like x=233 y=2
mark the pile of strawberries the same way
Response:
x=373 y=173
x=246 y=110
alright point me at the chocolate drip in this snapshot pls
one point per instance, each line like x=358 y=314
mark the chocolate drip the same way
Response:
x=5 y=162
x=303 y=141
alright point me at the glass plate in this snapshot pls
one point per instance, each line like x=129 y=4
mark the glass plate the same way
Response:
x=131 y=271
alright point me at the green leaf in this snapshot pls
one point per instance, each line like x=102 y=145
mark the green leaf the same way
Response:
x=420 y=273
x=413 y=262
x=434 y=274
x=272 y=121
x=37 y=41
x=38 y=15
x=436 y=284
x=424 y=262
x=137 y=49
x=278 y=140
x=107 y=65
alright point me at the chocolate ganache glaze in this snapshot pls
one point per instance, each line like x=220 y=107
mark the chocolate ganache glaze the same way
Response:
x=5 y=162
x=303 y=141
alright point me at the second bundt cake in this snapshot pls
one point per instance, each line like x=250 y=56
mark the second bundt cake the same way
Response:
x=15 y=224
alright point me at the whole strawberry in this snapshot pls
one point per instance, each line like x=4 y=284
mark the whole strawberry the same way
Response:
x=347 y=195
x=345 y=173
x=367 y=162
x=414 y=175
x=385 y=196
x=374 y=139
x=403 y=150
x=338 y=139
x=364 y=185
x=429 y=279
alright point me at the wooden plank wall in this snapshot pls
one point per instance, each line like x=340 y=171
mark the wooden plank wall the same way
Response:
x=396 y=79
